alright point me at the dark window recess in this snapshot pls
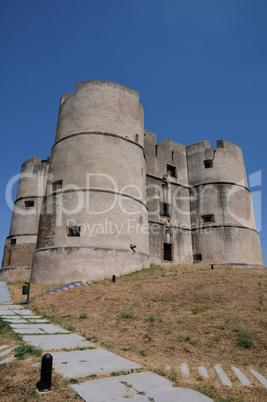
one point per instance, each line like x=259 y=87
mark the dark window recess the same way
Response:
x=208 y=163
x=197 y=257
x=29 y=204
x=164 y=209
x=167 y=251
x=137 y=138
x=156 y=149
x=13 y=241
x=207 y=218
x=73 y=231
x=171 y=170
x=57 y=185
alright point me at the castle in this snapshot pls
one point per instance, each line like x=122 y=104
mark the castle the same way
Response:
x=111 y=200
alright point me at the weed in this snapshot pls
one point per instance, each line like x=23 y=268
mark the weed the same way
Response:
x=243 y=339
x=70 y=328
x=92 y=376
x=117 y=373
x=127 y=315
x=172 y=375
x=23 y=350
x=168 y=331
x=83 y=316
x=142 y=353
x=151 y=318
x=199 y=309
x=123 y=329
x=73 y=381
x=106 y=345
x=216 y=338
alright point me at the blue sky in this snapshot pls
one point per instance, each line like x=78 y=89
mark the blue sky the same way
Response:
x=199 y=65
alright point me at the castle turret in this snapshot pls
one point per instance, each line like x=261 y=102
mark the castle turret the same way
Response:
x=168 y=201
x=94 y=217
x=222 y=217
x=21 y=242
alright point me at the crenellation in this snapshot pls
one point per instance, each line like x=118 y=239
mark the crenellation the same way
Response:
x=112 y=200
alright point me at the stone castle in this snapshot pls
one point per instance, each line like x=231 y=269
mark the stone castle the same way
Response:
x=111 y=200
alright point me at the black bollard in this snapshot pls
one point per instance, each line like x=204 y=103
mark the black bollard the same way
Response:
x=114 y=278
x=26 y=291
x=44 y=385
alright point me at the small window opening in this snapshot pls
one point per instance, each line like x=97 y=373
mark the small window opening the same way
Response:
x=13 y=241
x=207 y=218
x=137 y=138
x=197 y=257
x=57 y=185
x=167 y=251
x=172 y=155
x=29 y=204
x=208 y=163
x=156 y=149
x=73 y=231
x=164 y=209
x=171 y=170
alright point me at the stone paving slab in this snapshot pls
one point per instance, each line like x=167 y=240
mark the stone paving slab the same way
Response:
x=6 y=352
x=7 y=360
x=26 y=313
x=222 y=375
x=3 y=347
x=203 y=371
x=50 y=342
x=185 y=369
x=6 y=312
x=242 y=378
x=137 y=387
x=81 y=363
x=15 y=320
x=259 y=377
x=37 y=329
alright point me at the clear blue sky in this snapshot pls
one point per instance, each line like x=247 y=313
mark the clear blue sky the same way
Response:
x=200 y=67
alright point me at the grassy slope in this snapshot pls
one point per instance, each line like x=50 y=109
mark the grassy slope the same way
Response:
x=170 y=315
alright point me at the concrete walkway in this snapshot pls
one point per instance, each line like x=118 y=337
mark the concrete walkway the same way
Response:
x=138 y=386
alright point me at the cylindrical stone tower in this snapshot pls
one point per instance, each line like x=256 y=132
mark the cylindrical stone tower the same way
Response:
x=21 y=242
x=222 y=217
x=94 y=218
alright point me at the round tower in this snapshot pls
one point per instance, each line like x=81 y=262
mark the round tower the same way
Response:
x=21 y=242
x=222 y=217
x=94 y=217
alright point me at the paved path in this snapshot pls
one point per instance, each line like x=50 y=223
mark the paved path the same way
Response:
x=138 y=386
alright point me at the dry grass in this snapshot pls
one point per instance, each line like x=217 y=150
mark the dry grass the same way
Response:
x=169 y=315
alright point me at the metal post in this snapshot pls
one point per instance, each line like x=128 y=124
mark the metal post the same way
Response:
x=44 y=385
x=113 y=278
x=26 y=291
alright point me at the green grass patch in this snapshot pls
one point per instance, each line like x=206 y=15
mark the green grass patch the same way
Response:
x=23 y=350
x=199 y=309
x=243 y=339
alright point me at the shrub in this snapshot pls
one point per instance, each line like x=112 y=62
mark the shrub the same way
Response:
x=244 y=339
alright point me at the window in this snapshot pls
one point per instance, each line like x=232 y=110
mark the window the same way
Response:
x=29 y=204
x=208 y=163
x=73 y=231
x=197 y=257
x=171 y=170
x=164 y=209
x=57 y=185
x=167 y=251
x=13 y=241
x=137 y=138
x=207 y=218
